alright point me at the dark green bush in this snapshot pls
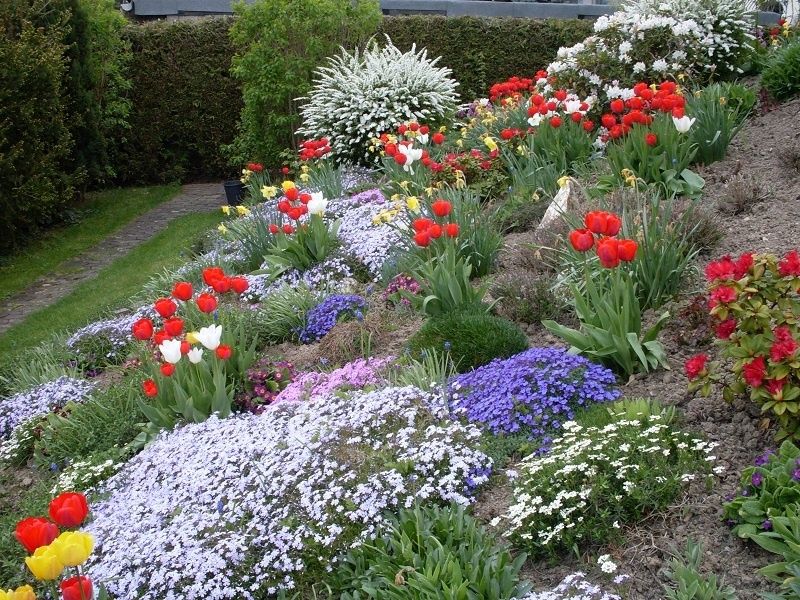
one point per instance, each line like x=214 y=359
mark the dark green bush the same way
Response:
x=781 y=77
x=430 y=553
x=482 y=51
x=473 y=338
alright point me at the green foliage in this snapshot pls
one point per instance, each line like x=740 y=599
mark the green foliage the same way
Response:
x=430 y=553
x=527 y=297
x=781 y=76
x=283 y=313
x=44 y=362
x=279 y=44
x=482 y=51
x=35 y=140
x=783 y=539
x=479 y=238
x=253 y=234
x=310 y=244
x=688 y=583
x=110 y=418
x=327 y=178
x=433 y=368
x=720 y=111
x=472 y=338
x=184 y=102
x=627 y=409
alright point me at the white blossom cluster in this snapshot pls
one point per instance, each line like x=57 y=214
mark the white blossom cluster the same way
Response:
x=651 y=40
x=361 y=95
x=20 y=408
x=115 y=333
x=574 y=587
x=555 y=491
x=238 y=507
x=82 y=475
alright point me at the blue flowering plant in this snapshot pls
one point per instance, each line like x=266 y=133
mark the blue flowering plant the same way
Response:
x=325 y=315
x=530 y=393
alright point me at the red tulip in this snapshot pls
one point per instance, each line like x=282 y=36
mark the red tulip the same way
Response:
x=165 y=307
x=576 y=117
x=608 y=252
x=284 y=206
x=143 y=329
x=627 y=250
x=613 y=224
x=555 y=122
x=207 y=303
x=185 y=347
x=421 y=224
x=273 y=229
x=390 y=149
x=588 y=126
x=224 y=351
x=608 y=121
x=595 y=221
x=401 y=129
x=435 y=231
x=69 y=509
x=183 y=291
x=560 y=95
x=507 y=133
x=581 y=239
x=35 y=532
x=305 y=198
x=437 y=138
x=651 y=139
x=292 y=194
x=167 y=369
x=239 y=284
x=451 y=230
x=160 y=337
x=400 y=158
x=173 y=326
x=441 y=207
x=617 y=106
x=150 y=388
x=76 y=588
x=424 y=129
x=288 y=229
x=285 y=170
x=221 y=286
x=211 y=274
x=422 y=239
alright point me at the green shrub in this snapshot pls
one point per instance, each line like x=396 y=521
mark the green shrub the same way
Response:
x=283 y=314
x=430 y=553
x=781 y=77
x=527 y=297
x=473 y=339
x=720 y=111
x=482 y=51
x=279 y=44
x=35 y=141
x=184 y=102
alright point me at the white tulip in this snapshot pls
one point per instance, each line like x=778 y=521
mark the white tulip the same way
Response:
x=683 y=124
x=195 y=355
x=210 y=336
x=412 y=154
x=171 y=351
x=317 y=204
x=422 y=138
x=571 y=106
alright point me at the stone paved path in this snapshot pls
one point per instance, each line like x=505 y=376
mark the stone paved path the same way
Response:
x=193 y=198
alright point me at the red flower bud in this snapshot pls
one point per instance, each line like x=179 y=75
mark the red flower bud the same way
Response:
x=150 y=388
x=182 y=291
x=239 y=284
x=651 y=139
x=165 y=307
x=167 y=369
x=555 y=122
x=224 y=351
x=273 y=229
x=441 y=207
x=435 y=231
x=451 y=230
x=627 y=250
x=608 y=252
x=173 y=326
x=69 y=509
x=437 y=138
x=76 y=588
x=288 y=229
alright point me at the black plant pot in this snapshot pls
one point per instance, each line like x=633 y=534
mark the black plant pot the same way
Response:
x=234 y=192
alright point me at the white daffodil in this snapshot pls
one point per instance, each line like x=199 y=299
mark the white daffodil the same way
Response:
x=683 y=124
x=317 y=204
x=171 y=351
x=210 y=336
x=195 y=355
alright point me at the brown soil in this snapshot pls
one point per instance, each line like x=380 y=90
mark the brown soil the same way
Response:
x=764 y=152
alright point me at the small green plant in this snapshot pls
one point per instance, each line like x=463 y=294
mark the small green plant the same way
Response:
x=781 y=76
x=326 y=177
x=45 y=362
x=282 y=314
x=472 y=338
x=431 y=369
x=430 y=553
x=254 y=236
x=526 y=297
x=688 y=583
x=719 y=111
x=742 y=194
x=531 y=173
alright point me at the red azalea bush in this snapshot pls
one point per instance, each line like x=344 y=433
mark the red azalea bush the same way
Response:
x=755 y=301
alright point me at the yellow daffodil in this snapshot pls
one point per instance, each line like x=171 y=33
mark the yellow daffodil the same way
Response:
x=460 y=143
x=442 y=129
x=305 y=177
x=723 y=101
x=269 y=191
x=429 y=191
x=562 y=181
x=404 y=185
x=412 y=202
x=304 y=169
x=654 y=87
x=192 y=338
x=630 y=178
x=242 y=211
x=222 y=229
x=395 y=197
x=521 y=150
x=535 y=197
x=372 y=148
x=287 y=185
x=681 y=76
x=490 y=143
x=225 y=209
x=73 y=547
x=24 y=592
x=45 y=563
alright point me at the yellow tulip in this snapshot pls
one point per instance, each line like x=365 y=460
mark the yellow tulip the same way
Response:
x=242 y=211
x=225 y=209
x=490 y=144
x=45 y=563
x=73 y=547
x=24 y=592
x=287 y=185
x=269 y=191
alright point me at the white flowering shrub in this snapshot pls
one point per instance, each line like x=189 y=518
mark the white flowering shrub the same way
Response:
x=246 y=506
x=653 y=40
x=594 y=479
x=361 y=95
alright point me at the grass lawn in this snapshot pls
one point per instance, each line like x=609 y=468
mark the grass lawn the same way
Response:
x=102 y=214
x=113 y=286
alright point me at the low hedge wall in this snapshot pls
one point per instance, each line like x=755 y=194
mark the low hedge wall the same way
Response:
x=186 y=105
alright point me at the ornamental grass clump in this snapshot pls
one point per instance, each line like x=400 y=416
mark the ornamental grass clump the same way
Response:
x=325 y=315
x=593 y=480
x=532 y=392
x=755 y=302
x=251 y=505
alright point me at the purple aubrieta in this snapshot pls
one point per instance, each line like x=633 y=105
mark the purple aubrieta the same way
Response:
x=323 y=317
x=531 y=392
